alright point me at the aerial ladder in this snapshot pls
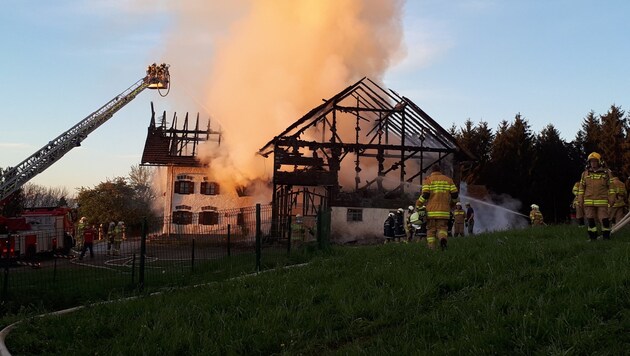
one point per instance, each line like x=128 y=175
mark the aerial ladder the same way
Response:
x=13 y=178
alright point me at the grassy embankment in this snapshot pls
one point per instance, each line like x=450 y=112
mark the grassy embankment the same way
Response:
x=544 y=290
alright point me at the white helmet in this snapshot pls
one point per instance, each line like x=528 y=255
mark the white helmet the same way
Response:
x=534 y=206
x=121 y=223
x=400 y=210
x=458 y=204
x=391 y=214
x=410 y=208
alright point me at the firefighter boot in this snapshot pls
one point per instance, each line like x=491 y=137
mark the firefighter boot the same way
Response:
x=443 y=244
x=606 y=229
x=592 y=230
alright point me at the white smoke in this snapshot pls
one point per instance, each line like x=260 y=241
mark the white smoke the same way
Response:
x=496 y=213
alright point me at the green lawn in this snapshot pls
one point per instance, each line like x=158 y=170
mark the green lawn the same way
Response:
x=543 y=291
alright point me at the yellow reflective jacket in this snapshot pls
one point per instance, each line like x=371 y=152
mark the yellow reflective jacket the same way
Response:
x=620 y=193
x=575 y=191
x=536 y=217
x=596 y=187
x=438 y=191
x=459 y=215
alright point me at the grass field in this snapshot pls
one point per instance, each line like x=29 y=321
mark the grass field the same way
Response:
x=542 y=291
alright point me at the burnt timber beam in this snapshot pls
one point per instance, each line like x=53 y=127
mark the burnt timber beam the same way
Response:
x=354 y=146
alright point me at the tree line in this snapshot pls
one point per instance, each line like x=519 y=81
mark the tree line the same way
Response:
x=541 y=168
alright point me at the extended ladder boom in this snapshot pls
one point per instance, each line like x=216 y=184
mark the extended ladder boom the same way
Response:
x=15 y=177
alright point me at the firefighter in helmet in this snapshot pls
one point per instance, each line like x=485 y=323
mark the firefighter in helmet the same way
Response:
x=459 y=216
x=111 y=232
x=596 y=193
x=119 y=235
x=579 y=210
x=80 y=229
x=408 y=227
x=438 y=191
x=535 y=216
x=618 y=209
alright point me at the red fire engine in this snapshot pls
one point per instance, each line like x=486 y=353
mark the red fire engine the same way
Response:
x=38 y=230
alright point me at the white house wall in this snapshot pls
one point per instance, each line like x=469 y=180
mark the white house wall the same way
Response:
x=367 y=231
x=226 y=199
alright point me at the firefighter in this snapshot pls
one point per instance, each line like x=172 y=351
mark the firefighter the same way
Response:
x=88 y=242
x=470 y=219
x=422 y=221
x=80 y=229
x=388 y=228
x=438 y=191
x=618 y=209
x=579 y=210
x=535 y=216
x=119 y=235
x=399 y=225
x=459 y=217
x=596 y=193
x=414 y=223
x=110 y=236
x=411 y=210
x=451 y=223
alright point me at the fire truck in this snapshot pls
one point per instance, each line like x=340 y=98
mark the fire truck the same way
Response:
x=36 y=231
x=51 y=229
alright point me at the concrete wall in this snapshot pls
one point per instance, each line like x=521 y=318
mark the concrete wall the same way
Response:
x=370 y=230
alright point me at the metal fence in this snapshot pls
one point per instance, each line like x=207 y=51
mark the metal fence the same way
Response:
x=167 y=252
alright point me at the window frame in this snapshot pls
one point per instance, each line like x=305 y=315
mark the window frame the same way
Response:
x=354 y=215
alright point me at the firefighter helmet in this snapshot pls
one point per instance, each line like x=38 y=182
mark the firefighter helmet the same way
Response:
x=410 y=208
x=594 y=155
x=534 y=206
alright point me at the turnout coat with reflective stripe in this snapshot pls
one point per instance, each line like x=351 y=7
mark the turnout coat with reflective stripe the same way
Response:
x=459 y=215
x=440 y=190
x=596 y=187
x=620 y=193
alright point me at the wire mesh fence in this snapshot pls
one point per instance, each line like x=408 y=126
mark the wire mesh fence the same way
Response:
x=165 y=252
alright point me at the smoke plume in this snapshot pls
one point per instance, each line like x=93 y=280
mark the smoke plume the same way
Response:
x=271 y=62
x=493 y=214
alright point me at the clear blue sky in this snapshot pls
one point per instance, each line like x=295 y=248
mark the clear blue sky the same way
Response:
x=552 y=61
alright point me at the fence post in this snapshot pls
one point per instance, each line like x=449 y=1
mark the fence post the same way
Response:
x=318 y=226
x=228 y=242
x=143 y=252
x=133 y=269
x=192 y=256
x=258 y=238
x=55 y=268
x=5 y=285
x=289 y=234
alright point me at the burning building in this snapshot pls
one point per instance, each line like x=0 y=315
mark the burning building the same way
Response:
x=188 y=195
x=362 y=153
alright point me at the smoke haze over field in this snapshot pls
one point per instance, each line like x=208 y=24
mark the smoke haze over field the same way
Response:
x=270 y=62
x=501 y=213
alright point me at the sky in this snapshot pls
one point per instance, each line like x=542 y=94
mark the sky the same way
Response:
x=552 y=61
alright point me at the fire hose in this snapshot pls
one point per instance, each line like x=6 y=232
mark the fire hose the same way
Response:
x=621 y=223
